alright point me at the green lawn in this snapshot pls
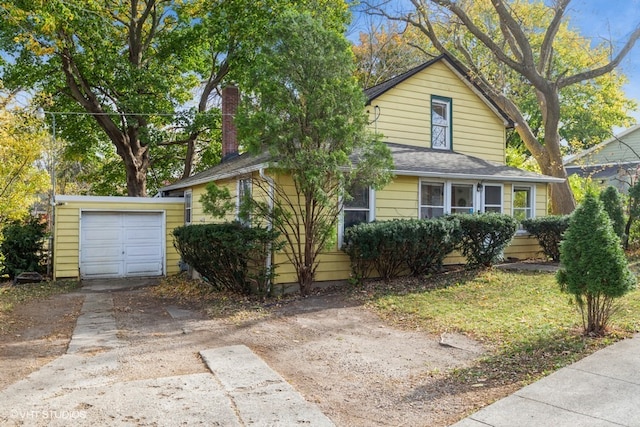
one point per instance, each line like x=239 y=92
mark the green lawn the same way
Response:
x=529 y=327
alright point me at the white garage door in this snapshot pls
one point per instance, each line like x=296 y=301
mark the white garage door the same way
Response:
x=121 y=244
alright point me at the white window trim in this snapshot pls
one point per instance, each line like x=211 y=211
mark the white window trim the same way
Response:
x=483 y=198
x=188 y=207
x=447 y=194
x=532 y=196
x=370 y=218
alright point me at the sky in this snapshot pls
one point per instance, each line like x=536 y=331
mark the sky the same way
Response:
x=612 y=20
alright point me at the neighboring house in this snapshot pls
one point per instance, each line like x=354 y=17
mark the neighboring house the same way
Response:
x=612 y=162
x=448 y=145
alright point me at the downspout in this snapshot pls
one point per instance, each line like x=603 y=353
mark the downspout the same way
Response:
x=271 y=183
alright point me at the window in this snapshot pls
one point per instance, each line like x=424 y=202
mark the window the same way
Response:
x=493 y=198
x=244 y=195
x=440 y=198
x=432 y=203
x=358 y=209
x=188 y=206
x=522 y=202
x=461 y=198
x=440 y=123
x=361 y=208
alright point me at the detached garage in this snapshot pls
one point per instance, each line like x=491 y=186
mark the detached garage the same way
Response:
x=110 y=237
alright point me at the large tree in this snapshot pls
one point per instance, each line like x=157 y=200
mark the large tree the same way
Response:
x=385 y=50
x=521 y=39
x=134 y=67
x=307 y=110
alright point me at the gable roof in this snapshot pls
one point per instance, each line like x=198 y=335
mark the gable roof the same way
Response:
x=375 y=91
x=598 y=147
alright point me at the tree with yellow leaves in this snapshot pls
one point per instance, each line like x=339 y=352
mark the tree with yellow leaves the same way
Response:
x=22 y=144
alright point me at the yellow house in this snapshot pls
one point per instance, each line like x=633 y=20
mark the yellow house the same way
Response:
x=448 y=142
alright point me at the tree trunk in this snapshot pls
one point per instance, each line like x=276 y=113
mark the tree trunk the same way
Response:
x=135 y=157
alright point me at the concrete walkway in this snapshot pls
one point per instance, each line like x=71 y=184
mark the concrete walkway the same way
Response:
x=600 y=390
x=79 y=388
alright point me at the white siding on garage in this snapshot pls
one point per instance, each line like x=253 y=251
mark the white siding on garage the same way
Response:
x=121 y=244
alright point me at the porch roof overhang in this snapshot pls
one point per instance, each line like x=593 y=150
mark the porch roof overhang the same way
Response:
x=431 y=163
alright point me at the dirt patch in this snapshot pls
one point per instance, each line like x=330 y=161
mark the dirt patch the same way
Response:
x=360 y=370
x=36 y=333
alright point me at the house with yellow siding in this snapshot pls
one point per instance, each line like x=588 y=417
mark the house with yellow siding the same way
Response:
x=447 y=140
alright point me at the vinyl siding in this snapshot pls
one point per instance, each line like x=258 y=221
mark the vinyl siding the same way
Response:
x=405 y=114
x=67 y=228
x=613 y=152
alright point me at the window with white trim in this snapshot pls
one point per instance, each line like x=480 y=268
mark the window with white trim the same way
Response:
x=360 y=208
x=188 y=206
x=440 y=123
x=522 y=202
x=440 y=198
x=432 y=202
x=244 y=193
x=492 y=198
x=462 y=196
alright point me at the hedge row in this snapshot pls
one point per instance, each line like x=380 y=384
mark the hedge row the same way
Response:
x=421 y=245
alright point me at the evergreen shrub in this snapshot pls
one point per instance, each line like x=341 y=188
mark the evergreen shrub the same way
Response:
x=229 y=256
x=391 y=247
x=594 y=268
x=485 y=236
x=22 y=246
x=548 y=230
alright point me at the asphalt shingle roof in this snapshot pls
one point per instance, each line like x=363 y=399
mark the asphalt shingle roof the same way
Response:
x=420 y=161
x=238 y=165
x=407 y=159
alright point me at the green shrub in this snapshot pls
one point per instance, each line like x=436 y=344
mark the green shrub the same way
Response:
x=229 y=256
x=594 y=267
x=375 y=245
x=390 y=247
x=361 y=250
x=549 y=231
x=612 y=203
x=22 y=246
x=485 y=236
x=428 y=242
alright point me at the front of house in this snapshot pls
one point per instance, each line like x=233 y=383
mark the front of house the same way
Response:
x=448 y=146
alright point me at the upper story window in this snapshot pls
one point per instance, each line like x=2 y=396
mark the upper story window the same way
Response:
x=188 y=206
x=492 y=198
x=440 y=123
x=522 y=202
x=244 y=193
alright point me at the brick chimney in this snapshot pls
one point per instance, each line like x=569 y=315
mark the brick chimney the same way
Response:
x=230 y=101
